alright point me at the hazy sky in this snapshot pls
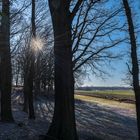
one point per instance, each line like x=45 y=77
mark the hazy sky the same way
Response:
x=119 y=67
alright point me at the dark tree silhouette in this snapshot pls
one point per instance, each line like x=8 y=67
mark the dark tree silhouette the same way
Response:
x=29 y=72
x=5 y=63
x=134 y=59
x=63 y=126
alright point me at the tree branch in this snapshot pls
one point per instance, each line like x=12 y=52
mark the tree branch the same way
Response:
x=76 y=8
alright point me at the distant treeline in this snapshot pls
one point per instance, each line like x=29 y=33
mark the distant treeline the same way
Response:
x=103 y=88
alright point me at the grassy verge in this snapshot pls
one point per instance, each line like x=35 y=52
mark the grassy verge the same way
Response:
x=105 y=102
x=126 y=96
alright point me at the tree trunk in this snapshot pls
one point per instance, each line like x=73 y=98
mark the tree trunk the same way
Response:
x=63 y=125
x=134 y=58
x=25 y=90
x=31 y=68
x=28 y=88
x=5 y=66
x=30 y=91
x=29 y=75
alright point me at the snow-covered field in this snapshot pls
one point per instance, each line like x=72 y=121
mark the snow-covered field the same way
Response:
x=94 y=120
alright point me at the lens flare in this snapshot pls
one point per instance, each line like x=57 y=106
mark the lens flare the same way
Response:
x=37 y=44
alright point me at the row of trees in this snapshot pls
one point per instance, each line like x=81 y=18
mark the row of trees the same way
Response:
x=83 y=38
x=19 y=61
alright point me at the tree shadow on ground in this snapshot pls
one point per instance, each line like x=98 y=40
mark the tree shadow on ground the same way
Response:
x=104 y=123
x=94 y=122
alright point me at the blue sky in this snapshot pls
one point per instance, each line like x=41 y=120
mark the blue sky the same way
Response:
x=119 y=66
x=116 y=70
x=117 y=74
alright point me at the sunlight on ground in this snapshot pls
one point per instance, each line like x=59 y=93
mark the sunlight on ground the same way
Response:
x=105 y=102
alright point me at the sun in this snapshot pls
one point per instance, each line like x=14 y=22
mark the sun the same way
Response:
x=37 y=44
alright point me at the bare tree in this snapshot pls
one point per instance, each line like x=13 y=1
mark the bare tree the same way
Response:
x=93 y=35
x=76 y=36
x=63 y=124
x=22 y=53
x=134 y=58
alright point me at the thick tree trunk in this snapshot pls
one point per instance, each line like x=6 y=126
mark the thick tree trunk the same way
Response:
x=63 y=125
x=135 y=66
x=5 y=66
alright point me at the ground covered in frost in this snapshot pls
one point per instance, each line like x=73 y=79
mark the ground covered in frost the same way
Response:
x=94 y=121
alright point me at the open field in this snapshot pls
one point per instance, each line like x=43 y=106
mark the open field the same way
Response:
x=117 y=95
x=118 y=92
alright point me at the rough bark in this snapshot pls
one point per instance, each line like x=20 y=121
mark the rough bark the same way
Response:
x=5 y=66
x=134 y=58
x=63 y=125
